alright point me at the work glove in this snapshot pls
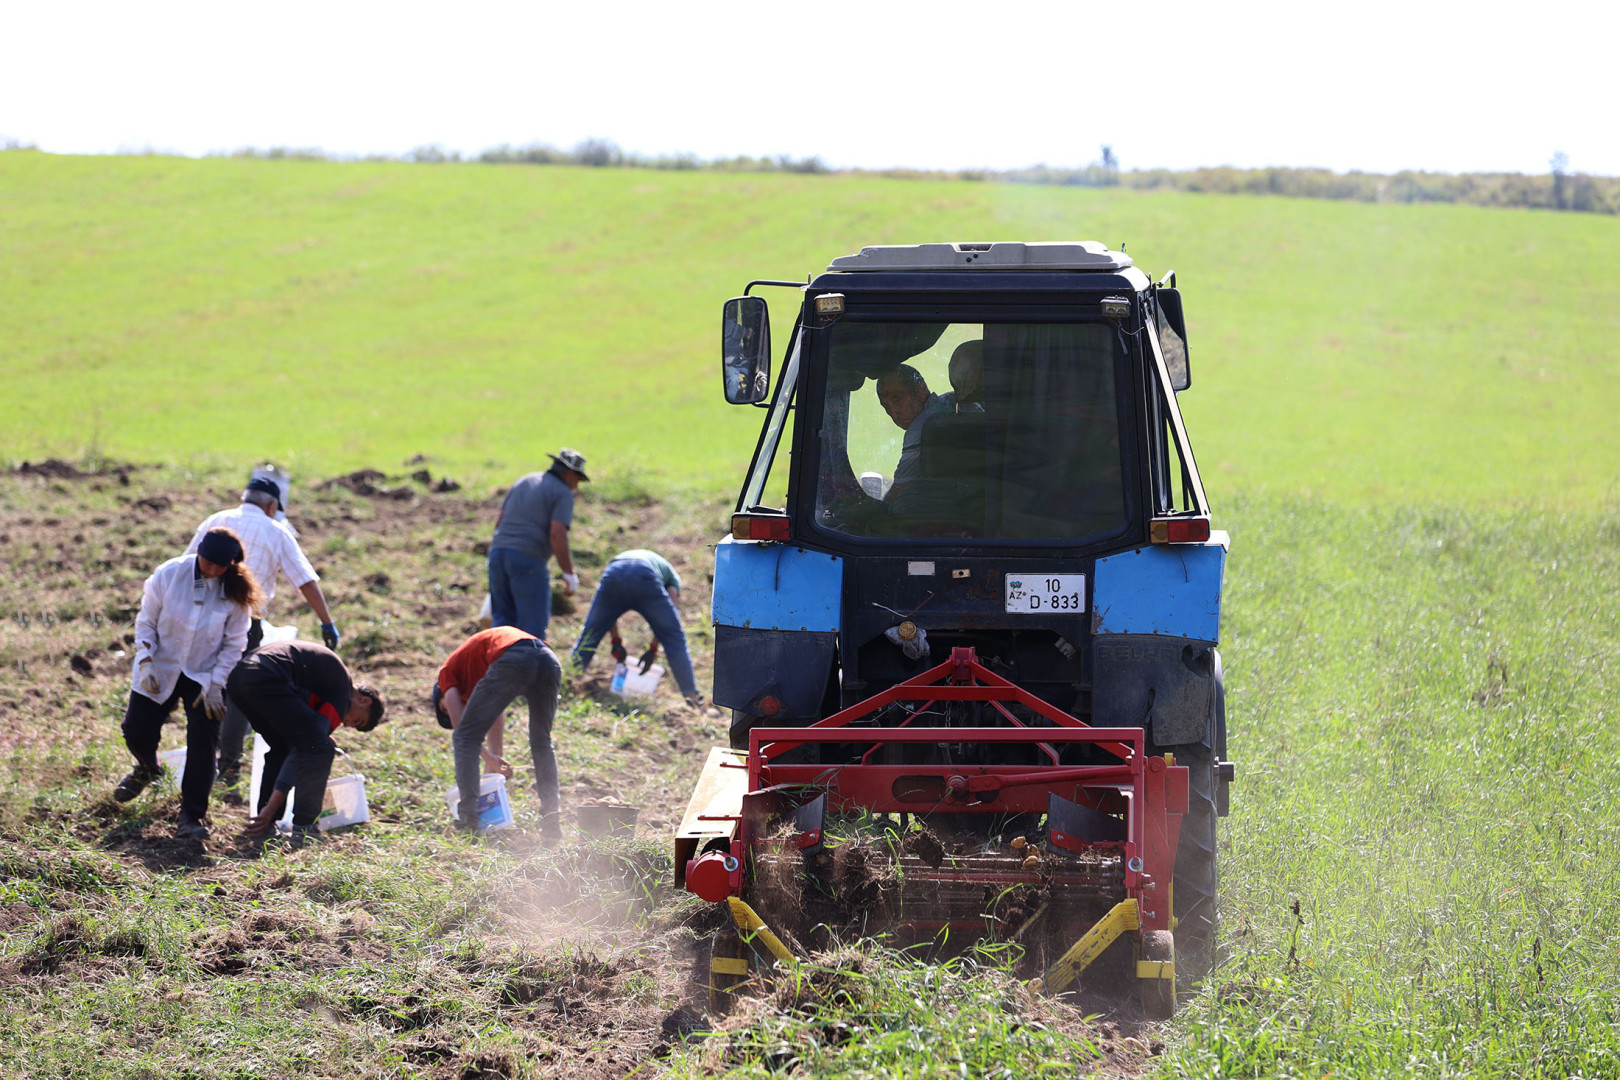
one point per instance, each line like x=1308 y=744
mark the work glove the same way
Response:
x=648 y=657
x=214 y=701
x=329 y=635
x=620 y=653
x=148 y=678
x=570 y=584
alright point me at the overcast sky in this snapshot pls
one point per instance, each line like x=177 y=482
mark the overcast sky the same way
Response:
x=1453 y=87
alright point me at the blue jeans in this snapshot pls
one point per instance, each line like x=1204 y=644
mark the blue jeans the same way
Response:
x=519 y=591
x=632 y=585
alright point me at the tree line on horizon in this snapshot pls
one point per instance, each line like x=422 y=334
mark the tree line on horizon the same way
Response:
x=1557 y=189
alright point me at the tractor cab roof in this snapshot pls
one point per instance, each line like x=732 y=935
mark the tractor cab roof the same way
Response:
x=1000 y=255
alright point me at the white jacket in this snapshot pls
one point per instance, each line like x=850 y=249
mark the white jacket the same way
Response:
x=271 y=547
x=187 y=627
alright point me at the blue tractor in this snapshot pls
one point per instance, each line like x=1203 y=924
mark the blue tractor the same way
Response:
x=971 y=590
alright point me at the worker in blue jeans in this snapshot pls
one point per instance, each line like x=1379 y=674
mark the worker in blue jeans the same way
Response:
x=641 y=581
x=532 y=527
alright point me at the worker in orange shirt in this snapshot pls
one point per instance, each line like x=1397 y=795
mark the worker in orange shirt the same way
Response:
x=484 y=675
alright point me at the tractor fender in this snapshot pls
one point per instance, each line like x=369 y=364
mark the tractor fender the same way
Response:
x=1164 y=684
x=773 y=674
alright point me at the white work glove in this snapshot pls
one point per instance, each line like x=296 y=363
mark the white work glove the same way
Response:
x=214 y=701
x=570 y=584
x=148 y=679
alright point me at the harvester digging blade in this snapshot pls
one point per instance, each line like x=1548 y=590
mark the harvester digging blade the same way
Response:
x=810 y=820
x=1068 y=824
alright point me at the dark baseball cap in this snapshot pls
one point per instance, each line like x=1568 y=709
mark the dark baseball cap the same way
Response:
x=269 y=487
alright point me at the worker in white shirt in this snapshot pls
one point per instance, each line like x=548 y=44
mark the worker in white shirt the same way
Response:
x=272 y=547
x=191 y=631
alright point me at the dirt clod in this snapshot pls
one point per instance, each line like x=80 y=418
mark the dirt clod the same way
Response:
x=926 y=846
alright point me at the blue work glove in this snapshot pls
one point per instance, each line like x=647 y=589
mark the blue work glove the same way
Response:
x=329 y=635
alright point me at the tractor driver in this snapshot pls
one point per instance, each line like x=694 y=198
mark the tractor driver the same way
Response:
x=906 y=398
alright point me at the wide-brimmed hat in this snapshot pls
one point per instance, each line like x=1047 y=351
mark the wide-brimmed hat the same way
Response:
x=570 y=459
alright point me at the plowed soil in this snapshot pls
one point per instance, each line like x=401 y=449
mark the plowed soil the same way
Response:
x=401 y=557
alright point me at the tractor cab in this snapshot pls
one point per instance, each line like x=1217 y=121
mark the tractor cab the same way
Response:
x=985 y=446
x=988 y=483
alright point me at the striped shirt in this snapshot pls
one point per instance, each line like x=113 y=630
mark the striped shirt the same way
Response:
x=269 y=544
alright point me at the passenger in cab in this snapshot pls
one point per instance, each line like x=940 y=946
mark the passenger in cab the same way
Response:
x=966 y=371
x=906 y=398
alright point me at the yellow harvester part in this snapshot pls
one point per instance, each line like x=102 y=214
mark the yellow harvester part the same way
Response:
x=749 y=923
x=714 y=809
x=1121 y=919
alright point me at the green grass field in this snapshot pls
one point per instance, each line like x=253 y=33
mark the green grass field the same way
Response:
x=333 y=316
x=1403 y=415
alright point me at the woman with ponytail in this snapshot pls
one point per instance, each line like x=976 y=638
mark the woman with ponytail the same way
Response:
x=190 y=633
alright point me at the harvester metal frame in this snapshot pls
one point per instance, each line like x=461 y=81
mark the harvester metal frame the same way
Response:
x=1149 y=792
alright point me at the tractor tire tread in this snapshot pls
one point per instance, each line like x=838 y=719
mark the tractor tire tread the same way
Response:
x=1197 y=875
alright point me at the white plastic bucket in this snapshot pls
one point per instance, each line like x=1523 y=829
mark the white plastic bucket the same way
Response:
x=260 y=748
x=344 y=803
x=173 y=763
x=638 y=685
x=494 y=804
x=273 y=634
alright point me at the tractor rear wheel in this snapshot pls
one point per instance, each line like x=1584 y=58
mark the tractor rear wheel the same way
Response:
x=1197 y=878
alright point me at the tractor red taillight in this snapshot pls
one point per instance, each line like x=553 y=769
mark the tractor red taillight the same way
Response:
x=1179 y=530
x=760 y=527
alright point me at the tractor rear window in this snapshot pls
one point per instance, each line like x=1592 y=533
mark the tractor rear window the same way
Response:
x=968 y=430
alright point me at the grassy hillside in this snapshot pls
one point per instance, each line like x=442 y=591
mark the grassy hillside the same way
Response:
x=339 y=315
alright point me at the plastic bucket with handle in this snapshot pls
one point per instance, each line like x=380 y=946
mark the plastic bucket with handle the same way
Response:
x=173 y=764
x=344 y=802
x=638 y=685
x=494 y=804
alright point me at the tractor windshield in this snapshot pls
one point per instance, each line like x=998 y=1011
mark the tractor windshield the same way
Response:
x=971 y=430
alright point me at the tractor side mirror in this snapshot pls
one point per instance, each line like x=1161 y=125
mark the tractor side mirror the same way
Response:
x=745 y=350
x=1172 y=327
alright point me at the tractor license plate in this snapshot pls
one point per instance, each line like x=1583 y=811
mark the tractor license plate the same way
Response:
x=1032 y=594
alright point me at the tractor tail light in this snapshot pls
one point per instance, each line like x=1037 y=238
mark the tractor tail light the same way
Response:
x=760 y=527
x=1179 y=530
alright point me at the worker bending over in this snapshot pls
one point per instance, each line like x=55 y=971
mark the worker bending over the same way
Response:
x=296 y=694
x=190 y=632
x=484 y=675
x=641 y=581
